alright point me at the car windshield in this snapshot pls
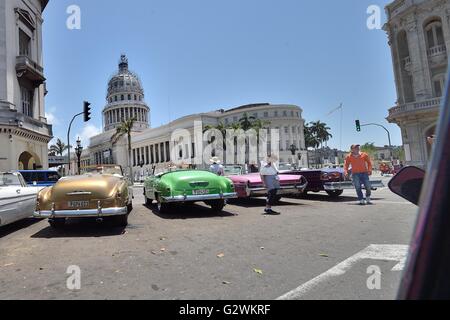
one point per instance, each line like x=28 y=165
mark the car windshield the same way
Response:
x=286 y=167
x=111 y=170
x=9 y=179
x=232 y=170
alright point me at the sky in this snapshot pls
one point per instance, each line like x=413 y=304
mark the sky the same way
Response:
x=202 y=55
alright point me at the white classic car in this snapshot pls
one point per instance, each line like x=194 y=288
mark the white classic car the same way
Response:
x=17 y=200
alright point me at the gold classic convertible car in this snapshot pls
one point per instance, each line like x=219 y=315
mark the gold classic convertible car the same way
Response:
x=102 y=192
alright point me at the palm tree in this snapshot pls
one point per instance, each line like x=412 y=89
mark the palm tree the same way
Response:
x=321 y=131
x=246 y=122
x=311 y=140
x=58 y=148
x=125 y=128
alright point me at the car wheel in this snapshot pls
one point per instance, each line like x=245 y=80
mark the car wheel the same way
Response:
x=57 y=223
x=121 y=221
x=218 y=205
x=335 y=193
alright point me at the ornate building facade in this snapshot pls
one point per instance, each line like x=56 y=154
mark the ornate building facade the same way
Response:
x=419 y=37
x=151 y=147
x=125 y=100
x=24 y=131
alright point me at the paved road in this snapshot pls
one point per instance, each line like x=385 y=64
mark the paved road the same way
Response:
x=194 y=254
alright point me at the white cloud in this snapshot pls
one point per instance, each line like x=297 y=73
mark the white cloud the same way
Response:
x=86 y=134
x=51 y=118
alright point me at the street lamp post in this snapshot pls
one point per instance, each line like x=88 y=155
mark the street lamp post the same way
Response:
x=79 y=151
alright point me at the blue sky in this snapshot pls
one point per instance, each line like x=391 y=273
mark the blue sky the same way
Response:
x=202 y=55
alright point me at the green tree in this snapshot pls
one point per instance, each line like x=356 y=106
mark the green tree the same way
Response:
x=246 y=122
x=58 y=148
x=125 y=129
x=321 y=131
x=369 y=148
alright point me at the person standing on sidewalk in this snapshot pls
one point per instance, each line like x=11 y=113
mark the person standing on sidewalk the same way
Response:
x=271 y=180
x=361 y=171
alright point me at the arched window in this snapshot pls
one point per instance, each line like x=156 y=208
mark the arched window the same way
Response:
x=438 y=85
x=129 y=97
x=434 y=34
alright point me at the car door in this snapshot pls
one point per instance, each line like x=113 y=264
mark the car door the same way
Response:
x=17 y=203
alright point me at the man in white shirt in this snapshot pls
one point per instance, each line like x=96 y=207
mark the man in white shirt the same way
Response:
x=271 y=180
x=216 y=167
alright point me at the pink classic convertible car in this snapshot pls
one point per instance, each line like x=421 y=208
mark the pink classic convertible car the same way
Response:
x=251 y=185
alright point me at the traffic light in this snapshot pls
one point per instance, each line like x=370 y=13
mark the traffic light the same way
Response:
x=358 y=125
x=87 y=111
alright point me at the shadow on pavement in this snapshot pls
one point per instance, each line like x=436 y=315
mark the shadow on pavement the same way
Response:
x=261 y=202
x=183 y=212
x=81 y=228
x=17 y=226
x=326 y=198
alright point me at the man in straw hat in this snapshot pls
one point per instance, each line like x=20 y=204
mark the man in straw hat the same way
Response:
x=361 y=171
x=216 y=167
x=270 y=178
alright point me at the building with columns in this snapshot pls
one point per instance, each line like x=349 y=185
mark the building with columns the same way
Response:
x=124 y=101
x=151 y=147
x=24 y=131
x=419 y=37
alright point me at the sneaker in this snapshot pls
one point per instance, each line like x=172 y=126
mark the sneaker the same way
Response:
x=271 y=212
x=369 y=201
x=362 y=203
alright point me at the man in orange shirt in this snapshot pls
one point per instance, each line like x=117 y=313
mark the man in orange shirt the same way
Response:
x=361 y=167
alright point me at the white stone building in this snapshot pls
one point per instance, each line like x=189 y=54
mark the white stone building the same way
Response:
x=24 y=132
x=419 y=37
x=151 y=147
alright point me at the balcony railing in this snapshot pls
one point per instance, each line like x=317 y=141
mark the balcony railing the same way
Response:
x=415 y=106
x=437 y=50
x=407 y=63
x=27 y=68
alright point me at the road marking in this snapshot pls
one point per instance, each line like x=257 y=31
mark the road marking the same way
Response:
x=397 y=253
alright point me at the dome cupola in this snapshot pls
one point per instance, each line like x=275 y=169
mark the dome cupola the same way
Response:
x=125 y=99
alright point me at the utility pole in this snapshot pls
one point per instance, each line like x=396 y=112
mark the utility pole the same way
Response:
x=358 y=128
x=87 y=117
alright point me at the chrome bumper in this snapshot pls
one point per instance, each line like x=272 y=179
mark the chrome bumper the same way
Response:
x=337 y=186
x=91 y=213
x=284 y=190
x=206 y=197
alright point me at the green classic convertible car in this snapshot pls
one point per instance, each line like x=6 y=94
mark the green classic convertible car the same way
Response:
x=188 y=186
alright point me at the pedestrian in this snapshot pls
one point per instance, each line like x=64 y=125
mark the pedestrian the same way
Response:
x=271 y=180
x=216 y=167
x=361 y=167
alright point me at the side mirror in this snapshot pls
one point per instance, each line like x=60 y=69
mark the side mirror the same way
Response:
x=408 y=184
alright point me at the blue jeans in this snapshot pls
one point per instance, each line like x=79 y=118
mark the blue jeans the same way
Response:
x=360 y=179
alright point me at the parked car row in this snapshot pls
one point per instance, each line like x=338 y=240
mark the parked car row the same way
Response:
x=104 y=193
